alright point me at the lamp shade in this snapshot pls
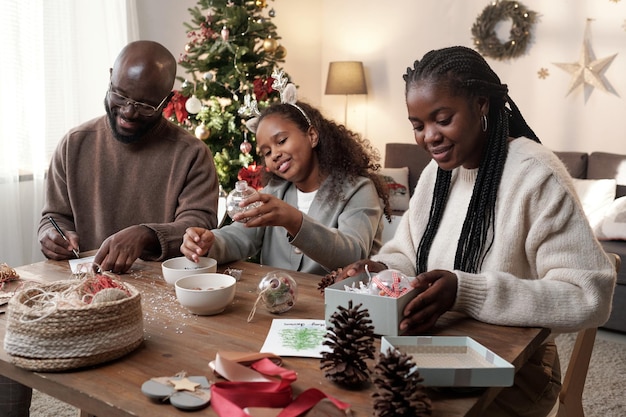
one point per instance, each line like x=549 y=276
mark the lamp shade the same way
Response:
x=346 y=77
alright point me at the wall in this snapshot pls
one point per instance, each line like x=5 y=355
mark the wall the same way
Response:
x=388 y=38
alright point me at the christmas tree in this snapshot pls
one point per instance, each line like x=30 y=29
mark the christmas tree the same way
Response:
x=231 y=51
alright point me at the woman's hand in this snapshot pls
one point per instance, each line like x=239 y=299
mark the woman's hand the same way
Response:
x=358 y=267
x=196 y=242
x=272 y=212
x=437 y=293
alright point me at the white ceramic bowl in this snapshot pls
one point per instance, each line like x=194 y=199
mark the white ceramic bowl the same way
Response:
x=176 y=268
x=206 y=294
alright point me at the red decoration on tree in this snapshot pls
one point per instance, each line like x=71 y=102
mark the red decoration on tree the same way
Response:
x=262 y=88
x=253 y=175
x=176 y=106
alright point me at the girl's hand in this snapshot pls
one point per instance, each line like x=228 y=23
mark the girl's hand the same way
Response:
x=272 y=212
x=437 y=293
x=196 y=242
x=358 y=267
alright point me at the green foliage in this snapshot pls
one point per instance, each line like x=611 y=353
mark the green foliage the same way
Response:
x=231 y=52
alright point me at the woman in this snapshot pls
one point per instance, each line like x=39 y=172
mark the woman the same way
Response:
x=323 y=203
x=494 y=229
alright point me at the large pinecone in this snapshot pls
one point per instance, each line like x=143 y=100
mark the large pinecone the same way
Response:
x=351 y=340
x=399 y=392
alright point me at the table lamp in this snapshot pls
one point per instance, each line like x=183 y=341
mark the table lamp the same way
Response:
x=346 y=77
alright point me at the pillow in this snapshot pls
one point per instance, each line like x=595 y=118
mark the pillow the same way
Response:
x=397 y=180
x=596 y=196
x=613 y=226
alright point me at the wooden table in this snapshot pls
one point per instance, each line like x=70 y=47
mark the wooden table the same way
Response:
x=176 y=340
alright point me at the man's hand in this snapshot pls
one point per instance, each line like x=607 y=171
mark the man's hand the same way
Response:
x=53 y=246
x=118 y=252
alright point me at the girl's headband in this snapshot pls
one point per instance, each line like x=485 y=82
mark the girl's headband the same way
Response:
x=288 y=95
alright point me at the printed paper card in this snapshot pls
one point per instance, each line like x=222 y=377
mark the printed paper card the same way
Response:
x=294 y=337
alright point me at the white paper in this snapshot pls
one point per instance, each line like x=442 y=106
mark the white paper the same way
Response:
x=295 y=337
x=81 y=265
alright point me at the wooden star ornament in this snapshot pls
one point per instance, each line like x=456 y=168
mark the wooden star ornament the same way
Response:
x=184 y=384
x=588 y=70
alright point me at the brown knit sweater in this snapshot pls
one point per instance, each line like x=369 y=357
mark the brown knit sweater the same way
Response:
x=98 y=186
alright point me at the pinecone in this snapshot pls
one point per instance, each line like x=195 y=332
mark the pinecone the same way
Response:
x=399 y=392
x=351 y=339
x=329 y=279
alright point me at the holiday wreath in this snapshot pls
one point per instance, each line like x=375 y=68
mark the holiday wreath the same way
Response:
x=484 y=33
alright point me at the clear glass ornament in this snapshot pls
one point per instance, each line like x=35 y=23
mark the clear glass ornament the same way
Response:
x=241 y=192
x=278 y=291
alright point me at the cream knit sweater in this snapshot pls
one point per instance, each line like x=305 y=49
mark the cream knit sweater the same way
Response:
x=545 y=267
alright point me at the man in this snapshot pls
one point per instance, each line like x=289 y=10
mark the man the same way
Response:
x=127 y=184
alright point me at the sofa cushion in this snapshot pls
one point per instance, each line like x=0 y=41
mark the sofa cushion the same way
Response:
x=398 y=155
x=596 y=196
x=608 y=165
x=575 y=162
x=397 y=180
x=613 y=224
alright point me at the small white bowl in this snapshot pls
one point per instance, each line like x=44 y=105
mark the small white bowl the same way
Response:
x=176 y=268
x=206 y=294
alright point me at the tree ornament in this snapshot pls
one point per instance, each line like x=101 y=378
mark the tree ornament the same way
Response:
x=270 y=44
x=202 y=132
x=188 y=47
x=486 y=39
x=193 y=105
x=278 y=291
x=245 y=147
x=225 y=33
x=399 y=390
x=272 y=12
x=587 y=71
x=351 y=340
x=281 y=52
x=208 y=76
x=261 y=3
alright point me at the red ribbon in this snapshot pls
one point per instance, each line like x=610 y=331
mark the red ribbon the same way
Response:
x=229 y=398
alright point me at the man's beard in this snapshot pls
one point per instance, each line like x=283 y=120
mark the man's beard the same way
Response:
x=124 y=138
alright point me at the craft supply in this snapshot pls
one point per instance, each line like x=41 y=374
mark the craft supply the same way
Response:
x=277 y=291
x=56 y=226
x=241 y=192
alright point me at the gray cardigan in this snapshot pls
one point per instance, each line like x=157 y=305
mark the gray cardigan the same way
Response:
x=333 y=233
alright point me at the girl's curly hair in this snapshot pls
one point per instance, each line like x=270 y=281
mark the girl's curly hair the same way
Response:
x=341 y=152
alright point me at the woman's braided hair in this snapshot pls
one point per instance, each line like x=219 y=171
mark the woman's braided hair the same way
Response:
x=342 y=153
x=466 y=73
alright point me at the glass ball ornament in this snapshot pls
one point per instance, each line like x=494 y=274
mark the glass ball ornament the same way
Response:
x=208 y=76
x=270 y=44
x=281 y=52
x=241 y=192
x=272 y=12
x=202 y=132
x=193 y=105
x=225 y=33
x=245 y=147
x=278 y=291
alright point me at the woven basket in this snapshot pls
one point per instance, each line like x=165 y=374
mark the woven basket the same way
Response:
x=71 y=338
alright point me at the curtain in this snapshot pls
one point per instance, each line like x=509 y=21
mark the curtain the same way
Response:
x=54 y=76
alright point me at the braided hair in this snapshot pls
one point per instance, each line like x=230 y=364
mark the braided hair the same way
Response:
x=466 y=73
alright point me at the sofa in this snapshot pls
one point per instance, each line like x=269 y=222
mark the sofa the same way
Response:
x=600 y=181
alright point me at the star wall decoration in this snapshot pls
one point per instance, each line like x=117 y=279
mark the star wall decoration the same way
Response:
x=543 y=73
x=588 y=71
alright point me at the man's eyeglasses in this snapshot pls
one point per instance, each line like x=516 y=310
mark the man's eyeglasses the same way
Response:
x=143 y=109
